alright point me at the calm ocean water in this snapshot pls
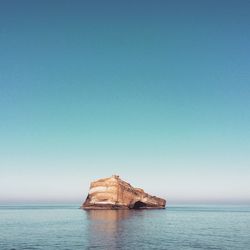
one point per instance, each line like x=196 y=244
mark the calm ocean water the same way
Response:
x=178 y=227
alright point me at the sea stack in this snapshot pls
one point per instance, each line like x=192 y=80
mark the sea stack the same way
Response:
x=114 y=193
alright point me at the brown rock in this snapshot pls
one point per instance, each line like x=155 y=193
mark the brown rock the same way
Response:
x=114 y=193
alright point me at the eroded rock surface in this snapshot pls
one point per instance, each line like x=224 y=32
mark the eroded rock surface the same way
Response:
x=114 y=193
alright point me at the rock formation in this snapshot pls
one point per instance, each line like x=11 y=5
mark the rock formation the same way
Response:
x=114 y=193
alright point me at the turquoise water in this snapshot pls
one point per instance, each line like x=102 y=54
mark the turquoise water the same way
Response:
x=177 y=227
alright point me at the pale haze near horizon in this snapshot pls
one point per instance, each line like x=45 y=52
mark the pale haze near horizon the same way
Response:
x=156 y=93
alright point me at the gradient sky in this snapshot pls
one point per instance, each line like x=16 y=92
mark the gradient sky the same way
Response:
x=155 y=91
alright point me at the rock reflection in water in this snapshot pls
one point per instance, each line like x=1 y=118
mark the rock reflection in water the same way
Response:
x=106 y=227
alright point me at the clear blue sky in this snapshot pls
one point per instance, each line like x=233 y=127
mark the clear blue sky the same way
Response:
x=155 y=91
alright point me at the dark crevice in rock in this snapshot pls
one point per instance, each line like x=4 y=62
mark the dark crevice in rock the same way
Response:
x=139 y=205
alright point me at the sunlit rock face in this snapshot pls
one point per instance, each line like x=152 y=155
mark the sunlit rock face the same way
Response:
x=114 y=193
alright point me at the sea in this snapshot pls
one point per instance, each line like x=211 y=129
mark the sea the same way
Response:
x=60 y=226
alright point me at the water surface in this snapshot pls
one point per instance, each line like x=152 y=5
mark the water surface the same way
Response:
x=177 y=227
